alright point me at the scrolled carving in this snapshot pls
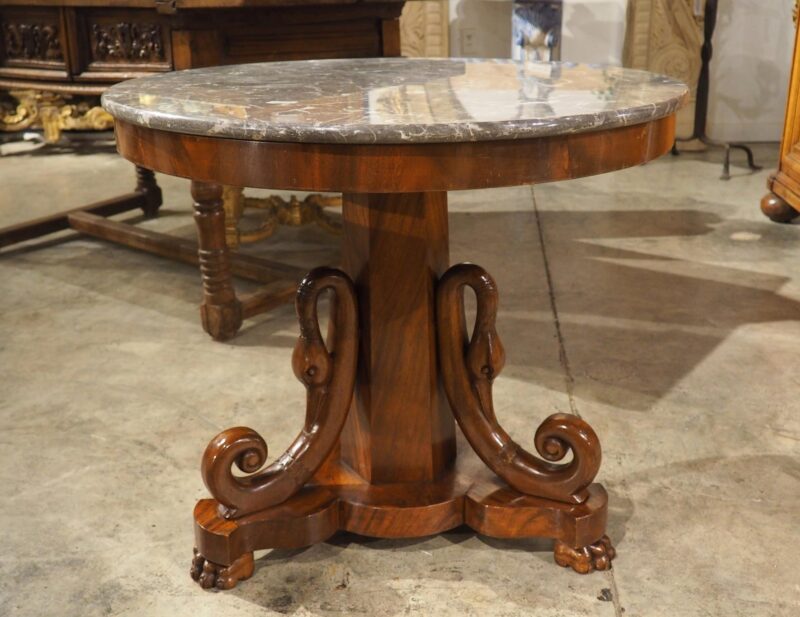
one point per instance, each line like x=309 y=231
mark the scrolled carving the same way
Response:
x=134 y=42
x=328 y=373
x=469 y=366
x=32 y=42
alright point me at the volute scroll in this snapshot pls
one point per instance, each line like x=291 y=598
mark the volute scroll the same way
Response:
x=470 y=365
x=328 y=372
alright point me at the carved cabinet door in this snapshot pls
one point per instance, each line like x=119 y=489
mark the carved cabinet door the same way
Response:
x=34 y=43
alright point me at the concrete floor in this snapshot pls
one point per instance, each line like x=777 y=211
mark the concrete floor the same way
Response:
x=679 y=313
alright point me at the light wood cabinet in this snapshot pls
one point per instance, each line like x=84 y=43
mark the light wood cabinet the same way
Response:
x=782 y=203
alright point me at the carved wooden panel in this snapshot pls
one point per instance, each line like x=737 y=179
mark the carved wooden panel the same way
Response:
x=424 y=29
x=127 y=42
x=123 y=39
x=665 y=36
x=32 y=38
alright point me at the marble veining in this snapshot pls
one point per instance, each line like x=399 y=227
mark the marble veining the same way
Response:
x=395 y=100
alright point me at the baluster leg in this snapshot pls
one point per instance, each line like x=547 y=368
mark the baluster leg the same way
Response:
x=221 y=311
x=146 y=185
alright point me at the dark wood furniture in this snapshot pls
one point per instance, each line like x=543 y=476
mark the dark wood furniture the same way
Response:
x=83 y=46
x=87 y=44
x=782 y=203
x=398 y=368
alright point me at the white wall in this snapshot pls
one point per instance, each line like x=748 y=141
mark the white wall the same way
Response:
x=749 y=74
x=480 y=28
x=593 y=31
x=750 y=69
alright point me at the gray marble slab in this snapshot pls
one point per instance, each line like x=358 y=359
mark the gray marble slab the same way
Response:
x=394 y=100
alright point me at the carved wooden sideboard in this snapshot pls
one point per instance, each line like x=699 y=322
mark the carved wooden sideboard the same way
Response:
x=53 y=51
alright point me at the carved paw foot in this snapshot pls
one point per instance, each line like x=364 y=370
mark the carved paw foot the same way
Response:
x=596 y=556
x=211 y=575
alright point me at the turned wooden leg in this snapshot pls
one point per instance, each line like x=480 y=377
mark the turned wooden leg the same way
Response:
x=596 y=556
x=146 y=185
x=776 y=209
x=221 y=311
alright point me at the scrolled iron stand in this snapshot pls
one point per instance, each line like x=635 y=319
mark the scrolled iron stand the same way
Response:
x=701 y=105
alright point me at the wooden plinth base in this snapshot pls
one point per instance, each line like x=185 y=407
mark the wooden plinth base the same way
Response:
x=317 y=512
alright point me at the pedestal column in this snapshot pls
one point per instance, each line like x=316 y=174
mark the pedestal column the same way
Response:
x=400 y=428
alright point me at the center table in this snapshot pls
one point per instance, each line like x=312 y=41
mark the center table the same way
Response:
x=399 y=365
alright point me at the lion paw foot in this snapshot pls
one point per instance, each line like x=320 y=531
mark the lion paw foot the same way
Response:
x=211 y=575
x=583 y=560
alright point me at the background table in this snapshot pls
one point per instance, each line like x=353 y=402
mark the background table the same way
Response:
x=54 y=50
x=377 y=455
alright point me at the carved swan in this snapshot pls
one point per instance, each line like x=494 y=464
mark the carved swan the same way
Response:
x=469 y=367
x=328 y=373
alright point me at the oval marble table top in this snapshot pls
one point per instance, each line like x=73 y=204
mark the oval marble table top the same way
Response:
x=394 y=100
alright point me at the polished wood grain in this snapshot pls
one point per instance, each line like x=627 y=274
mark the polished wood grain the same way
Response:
x=328 y=373
x=378 y=453
x=390 y=468
x=395 y=249
x=469 y=366
x=407 y=510
x=401 y=168
x=392 y=471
